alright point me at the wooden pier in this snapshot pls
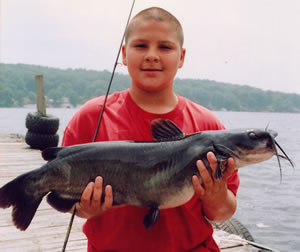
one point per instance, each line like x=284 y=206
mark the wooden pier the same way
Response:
x=48 y=228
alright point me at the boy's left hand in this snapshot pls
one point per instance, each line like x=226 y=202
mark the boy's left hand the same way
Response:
x=210 y=186
x=216 y=198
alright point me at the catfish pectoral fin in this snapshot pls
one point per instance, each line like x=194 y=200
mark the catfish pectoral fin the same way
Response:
x=222 y=166
x=151 y=217
x=59 y=203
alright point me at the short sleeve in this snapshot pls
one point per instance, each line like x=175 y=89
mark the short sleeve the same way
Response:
x=233 y=182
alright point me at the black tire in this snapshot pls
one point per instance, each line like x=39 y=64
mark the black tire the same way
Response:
x=42 y=124
x=41 y=141
x=233 y=226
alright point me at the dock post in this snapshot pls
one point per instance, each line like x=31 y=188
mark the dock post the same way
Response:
x=40 y=95
x=42 y=128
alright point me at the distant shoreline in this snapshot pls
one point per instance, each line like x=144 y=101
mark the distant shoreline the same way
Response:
x=70 y=88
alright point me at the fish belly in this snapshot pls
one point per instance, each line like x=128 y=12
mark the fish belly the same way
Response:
x=177 y=198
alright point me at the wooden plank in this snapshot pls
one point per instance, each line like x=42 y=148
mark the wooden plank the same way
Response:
x=48 y=228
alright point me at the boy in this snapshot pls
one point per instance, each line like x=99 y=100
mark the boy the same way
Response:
x=152 y=53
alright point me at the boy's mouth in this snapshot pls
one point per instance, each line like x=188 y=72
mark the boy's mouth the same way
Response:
x=151 y=70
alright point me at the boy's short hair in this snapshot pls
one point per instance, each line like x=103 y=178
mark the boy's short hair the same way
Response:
x=157 y=14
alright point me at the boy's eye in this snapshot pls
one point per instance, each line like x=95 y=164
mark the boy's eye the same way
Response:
x=140 y=46
x=165 y=47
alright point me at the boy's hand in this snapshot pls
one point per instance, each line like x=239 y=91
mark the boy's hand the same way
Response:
x=219 y=203
x=90 y=204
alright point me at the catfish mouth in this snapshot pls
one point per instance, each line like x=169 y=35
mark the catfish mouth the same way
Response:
x=264 y=152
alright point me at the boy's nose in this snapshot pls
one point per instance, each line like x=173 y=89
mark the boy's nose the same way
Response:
x=151 y=57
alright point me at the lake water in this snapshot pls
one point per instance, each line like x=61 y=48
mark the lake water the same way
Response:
x=268 y=207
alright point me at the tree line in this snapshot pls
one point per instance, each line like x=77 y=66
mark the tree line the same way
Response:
x=75 y=86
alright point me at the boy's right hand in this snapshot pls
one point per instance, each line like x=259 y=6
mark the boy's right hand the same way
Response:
x=90 y=205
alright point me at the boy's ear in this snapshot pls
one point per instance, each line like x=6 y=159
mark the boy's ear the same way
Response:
x=124 y=55
x=182 y=57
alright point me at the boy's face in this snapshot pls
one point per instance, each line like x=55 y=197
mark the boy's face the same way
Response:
x=153 y=55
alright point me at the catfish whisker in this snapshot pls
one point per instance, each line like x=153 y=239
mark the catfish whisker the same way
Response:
x=275 y=144
x=284 y=156
x=267 y=127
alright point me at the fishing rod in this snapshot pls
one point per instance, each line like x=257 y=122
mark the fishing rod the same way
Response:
x=100 y=118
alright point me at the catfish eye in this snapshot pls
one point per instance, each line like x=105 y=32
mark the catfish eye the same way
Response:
x=252 y=135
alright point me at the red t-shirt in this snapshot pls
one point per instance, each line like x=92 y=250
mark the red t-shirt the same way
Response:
x=182 y=228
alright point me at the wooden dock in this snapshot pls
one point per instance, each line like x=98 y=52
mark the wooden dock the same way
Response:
x=48 y=228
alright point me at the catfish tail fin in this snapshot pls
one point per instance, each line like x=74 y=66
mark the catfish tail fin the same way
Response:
x=24 y=205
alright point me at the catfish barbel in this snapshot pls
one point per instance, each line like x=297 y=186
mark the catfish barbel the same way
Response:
x=156 y=174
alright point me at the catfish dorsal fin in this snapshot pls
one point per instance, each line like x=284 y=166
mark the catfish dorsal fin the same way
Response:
x=165 y=130
x=51 y=153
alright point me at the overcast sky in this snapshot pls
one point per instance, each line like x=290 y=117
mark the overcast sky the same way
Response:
x=247 y=42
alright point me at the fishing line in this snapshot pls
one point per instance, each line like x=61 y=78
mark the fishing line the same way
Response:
x=100 y=119
x=113 y=73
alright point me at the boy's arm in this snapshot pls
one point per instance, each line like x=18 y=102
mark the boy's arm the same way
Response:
x=219 y=203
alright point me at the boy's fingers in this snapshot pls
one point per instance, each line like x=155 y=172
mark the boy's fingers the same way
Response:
x=197 y=186
x=86 y=195
x=212 y=162
x=108 y=200
x=205 y=176
x=230 y=168
x=97 y=193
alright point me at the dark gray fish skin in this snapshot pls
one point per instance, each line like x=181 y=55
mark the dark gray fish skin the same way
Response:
x=145 y=174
